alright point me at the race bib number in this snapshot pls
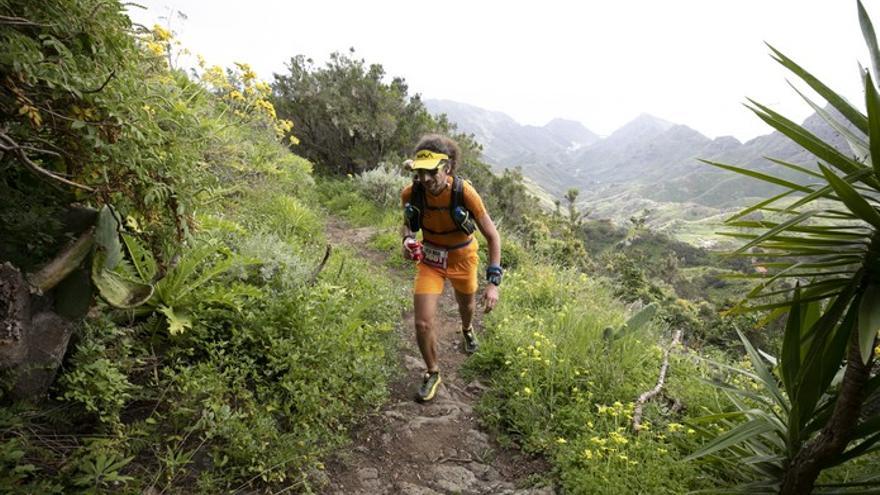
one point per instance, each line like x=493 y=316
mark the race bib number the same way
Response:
x=435 y=257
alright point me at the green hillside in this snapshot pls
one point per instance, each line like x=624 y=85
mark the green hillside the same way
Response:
x=202 y=291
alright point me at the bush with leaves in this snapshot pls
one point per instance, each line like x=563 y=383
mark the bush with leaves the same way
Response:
x=347 y=117
x=202 y=386
x=92 y=114
x=382 y=184
x=822 y=249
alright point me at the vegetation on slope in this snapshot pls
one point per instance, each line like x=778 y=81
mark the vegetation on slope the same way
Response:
x=223 y=354
x=246 y=365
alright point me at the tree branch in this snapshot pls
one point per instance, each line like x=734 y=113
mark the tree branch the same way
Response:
x=661 y=380
x=20 y=21
x=7 y=144
x=111 y=76
x=320 y=267
x=56 y=270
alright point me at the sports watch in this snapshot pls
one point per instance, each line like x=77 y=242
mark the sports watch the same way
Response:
x=494 y=274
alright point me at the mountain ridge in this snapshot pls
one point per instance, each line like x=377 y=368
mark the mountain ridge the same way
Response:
x=657 y=157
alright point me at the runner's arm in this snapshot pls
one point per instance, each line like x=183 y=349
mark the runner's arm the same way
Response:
x=487 y=227
x=405 y=232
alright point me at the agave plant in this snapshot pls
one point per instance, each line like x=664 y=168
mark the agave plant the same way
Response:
x=135 y=283
x=821 y=246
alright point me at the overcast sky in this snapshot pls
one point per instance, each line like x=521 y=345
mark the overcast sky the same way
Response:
x=691 y=62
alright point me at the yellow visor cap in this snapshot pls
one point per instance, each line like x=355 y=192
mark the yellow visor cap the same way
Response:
x=428 y=160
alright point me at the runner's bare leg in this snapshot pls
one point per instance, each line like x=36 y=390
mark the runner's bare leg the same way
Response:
x=467 y=304
x=425 y=308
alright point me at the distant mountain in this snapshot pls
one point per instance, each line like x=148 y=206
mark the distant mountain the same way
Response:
x=544 y=151
x=700 y=183
x=648 y=158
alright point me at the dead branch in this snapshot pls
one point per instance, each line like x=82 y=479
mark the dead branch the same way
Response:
x=7 y=144
x=60 y=267
x=45 y=142
x=101 y=87
x=20 y=21
x=320 y=267
x=57 y=115
x=661 y=380
x=40 y=150
x=341 y=267
x=462 y=460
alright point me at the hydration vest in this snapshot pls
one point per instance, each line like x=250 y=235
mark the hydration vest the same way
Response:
x=414 y=211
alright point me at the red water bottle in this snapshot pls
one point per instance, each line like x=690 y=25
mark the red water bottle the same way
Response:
x=415 y=247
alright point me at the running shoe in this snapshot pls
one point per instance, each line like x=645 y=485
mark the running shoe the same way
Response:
x=429 y=385
x=470 y=340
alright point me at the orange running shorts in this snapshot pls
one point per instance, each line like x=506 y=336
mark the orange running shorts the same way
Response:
x=461 y=270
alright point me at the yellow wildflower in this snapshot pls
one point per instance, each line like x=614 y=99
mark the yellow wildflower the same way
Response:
x=157 y=49
x=262 y=87
x=161 y=33
x=618 y=438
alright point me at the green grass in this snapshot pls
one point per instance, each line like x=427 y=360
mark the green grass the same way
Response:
x=559 y=388
x=341 y=198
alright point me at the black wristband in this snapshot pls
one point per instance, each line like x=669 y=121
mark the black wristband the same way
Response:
x=494 y=273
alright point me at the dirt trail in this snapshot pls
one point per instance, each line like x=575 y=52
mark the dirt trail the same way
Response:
x=411 y=448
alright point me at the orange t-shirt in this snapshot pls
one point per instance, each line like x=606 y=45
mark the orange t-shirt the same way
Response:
x=437 y=217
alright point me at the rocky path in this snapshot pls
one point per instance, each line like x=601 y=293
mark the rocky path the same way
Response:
x=435 y=448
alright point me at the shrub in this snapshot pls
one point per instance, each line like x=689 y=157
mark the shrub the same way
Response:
x=561 y=388
x=382 y=185
x=98 y=372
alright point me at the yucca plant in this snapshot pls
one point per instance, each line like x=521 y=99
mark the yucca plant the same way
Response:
x=821 y=246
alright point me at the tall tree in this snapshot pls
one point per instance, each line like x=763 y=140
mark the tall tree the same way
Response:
x=346 y=116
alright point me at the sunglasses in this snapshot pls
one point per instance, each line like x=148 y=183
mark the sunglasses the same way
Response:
x=432 y=172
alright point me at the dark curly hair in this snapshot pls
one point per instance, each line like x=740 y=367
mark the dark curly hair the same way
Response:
x=439 y=143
